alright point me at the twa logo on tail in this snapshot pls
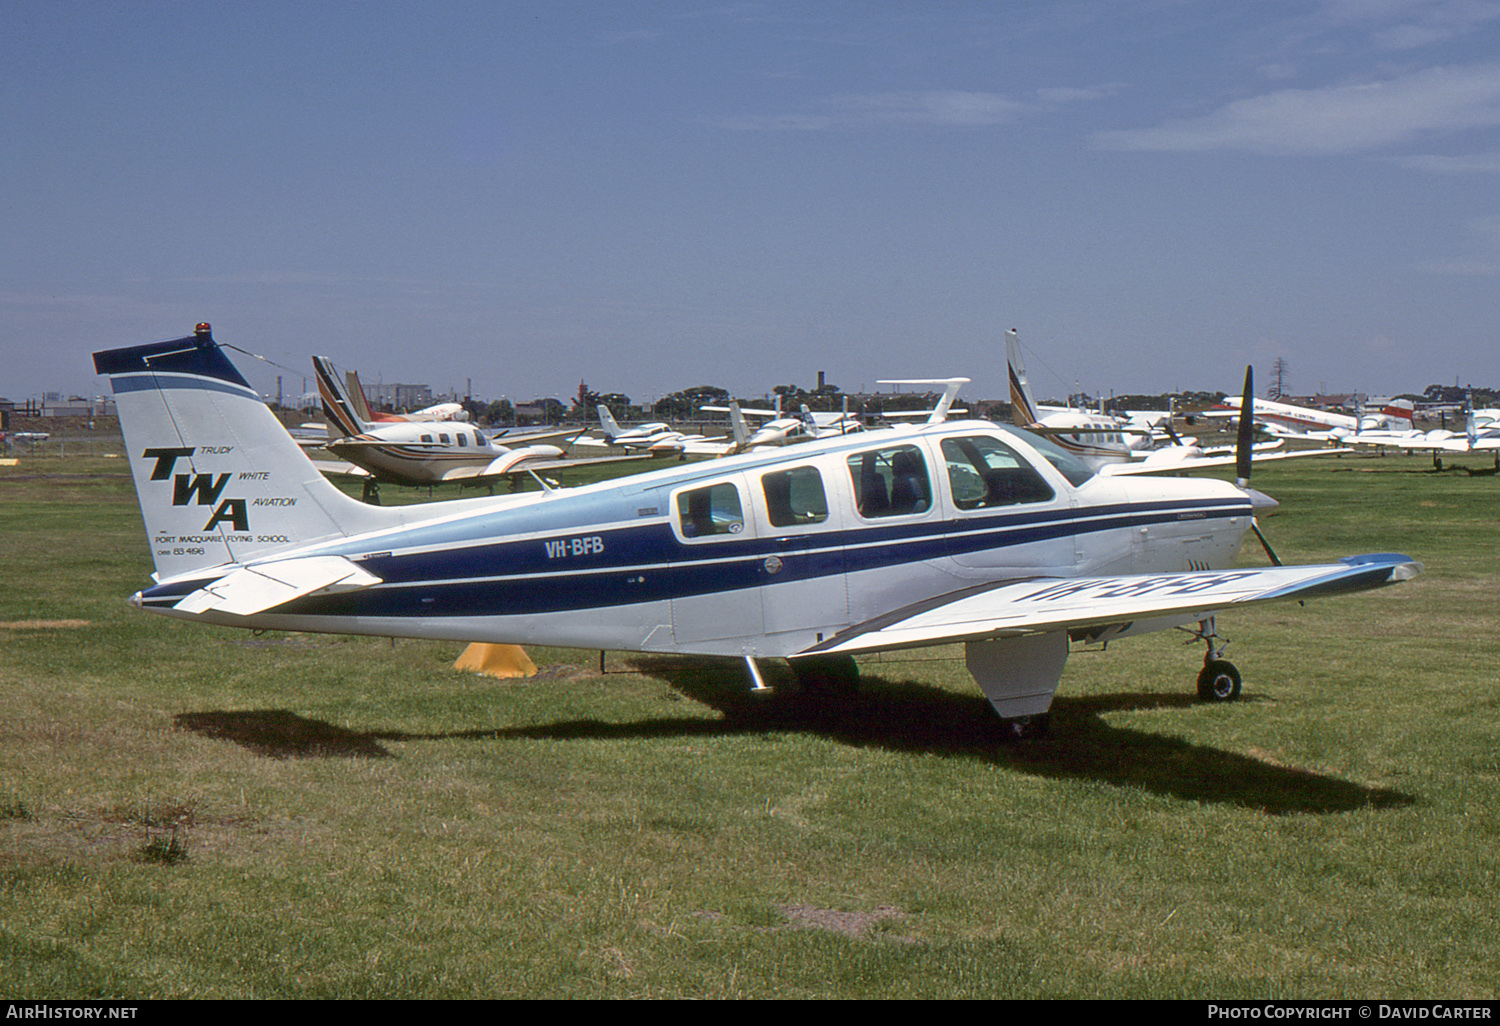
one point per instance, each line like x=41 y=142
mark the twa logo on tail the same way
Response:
x=204 y=489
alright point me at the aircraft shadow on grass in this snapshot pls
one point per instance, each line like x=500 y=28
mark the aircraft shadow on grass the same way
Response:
x=899 y=716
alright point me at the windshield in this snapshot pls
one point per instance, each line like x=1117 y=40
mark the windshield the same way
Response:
x=1068 y=465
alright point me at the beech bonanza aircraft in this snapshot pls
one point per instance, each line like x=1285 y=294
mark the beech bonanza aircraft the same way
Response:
x=887 y=539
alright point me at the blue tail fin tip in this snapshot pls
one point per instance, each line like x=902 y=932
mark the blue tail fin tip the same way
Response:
x=197 y=354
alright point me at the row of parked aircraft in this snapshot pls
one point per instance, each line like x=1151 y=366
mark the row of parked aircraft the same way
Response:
x=951 y=531
x=1133 y=444
x=1391 y=428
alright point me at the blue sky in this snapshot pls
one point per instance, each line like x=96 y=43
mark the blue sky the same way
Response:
x=656 y=195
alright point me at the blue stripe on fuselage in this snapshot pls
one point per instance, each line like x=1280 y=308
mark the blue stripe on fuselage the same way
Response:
x=632 y=563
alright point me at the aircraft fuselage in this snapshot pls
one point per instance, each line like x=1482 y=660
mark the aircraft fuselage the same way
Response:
x=758 y=554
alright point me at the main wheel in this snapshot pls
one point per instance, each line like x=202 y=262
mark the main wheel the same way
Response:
x=1219 y=681
x=827 y=675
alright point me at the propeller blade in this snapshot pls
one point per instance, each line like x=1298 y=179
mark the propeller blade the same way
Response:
x=1244 y=441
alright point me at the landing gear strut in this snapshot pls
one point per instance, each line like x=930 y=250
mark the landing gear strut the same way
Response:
x=1219 y=681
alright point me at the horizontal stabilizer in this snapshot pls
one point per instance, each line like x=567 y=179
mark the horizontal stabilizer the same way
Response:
x=251 y=590
x=1045 y=604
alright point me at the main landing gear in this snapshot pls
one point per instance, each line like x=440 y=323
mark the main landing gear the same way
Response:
x=1219 y=681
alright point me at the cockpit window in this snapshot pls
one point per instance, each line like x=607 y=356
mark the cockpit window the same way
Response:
x=985 y=472
x=1068 y=465
x=890 y=482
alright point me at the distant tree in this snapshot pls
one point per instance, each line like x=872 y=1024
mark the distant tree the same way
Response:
x=684 y=405
x=499 y=412
x=619 y=405
x=588 y=401
x=824 y=398
x=1279 y=371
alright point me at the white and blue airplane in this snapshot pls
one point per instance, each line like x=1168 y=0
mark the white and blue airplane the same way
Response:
x=946 y=532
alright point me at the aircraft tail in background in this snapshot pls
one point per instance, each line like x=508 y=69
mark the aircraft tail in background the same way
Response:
x=1024 y=411
x=343 y=401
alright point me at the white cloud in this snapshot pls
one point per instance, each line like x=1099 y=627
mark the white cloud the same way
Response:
x=931 y=107
x=1065 y=94
x=1412 y=23
x=1334 y=119
x=1474 y=163
x=943 y=107
x=938 y=107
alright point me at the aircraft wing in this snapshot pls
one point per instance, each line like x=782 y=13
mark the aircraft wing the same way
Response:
x=250 y=590
x=1167 y=465
x=506 y=465
x=340 y=469
x=1456 y=443
x=1039 y=605
x=512 y=437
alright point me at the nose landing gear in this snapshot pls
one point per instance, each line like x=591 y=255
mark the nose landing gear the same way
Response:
x=1219 y=681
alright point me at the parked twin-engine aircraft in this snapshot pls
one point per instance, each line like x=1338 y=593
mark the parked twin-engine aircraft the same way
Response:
x=892 y=538
x=1290 y=421
x=420 y=453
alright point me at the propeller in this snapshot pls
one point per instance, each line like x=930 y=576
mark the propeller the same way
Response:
x=1244 y=447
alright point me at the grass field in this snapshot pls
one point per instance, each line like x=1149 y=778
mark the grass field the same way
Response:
x=199 y=812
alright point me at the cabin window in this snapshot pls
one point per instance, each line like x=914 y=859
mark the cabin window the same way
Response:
x=984 y=472
x=427 y=438
x=443 y=438
x=795 y=497
x=890 y=482
x=463 y=440
x=703 y=512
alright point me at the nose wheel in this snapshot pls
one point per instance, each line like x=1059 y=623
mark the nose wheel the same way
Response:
x=1219 y=681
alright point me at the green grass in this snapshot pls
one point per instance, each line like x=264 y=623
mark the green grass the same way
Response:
x=198 y=812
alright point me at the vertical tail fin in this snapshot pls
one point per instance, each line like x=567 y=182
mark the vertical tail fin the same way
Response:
x=356 y=393
x=218 y=478
x=611 y=428
x=1400 y=414
x=1023 y=409
x=345 y=414
x=737 y=425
